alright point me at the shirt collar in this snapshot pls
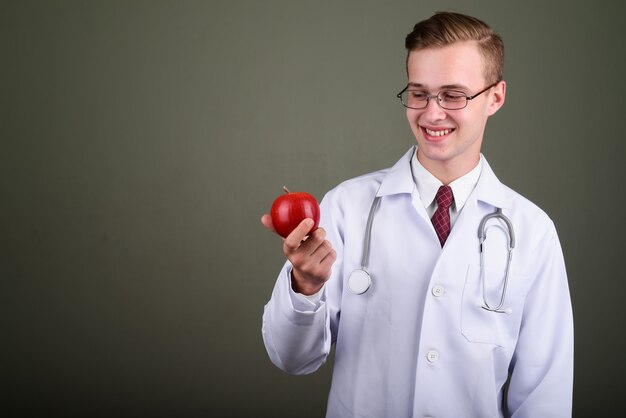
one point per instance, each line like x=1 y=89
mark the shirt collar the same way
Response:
x=428 y=185
x=399 y=179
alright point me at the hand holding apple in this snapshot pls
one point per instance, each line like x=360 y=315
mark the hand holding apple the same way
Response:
x=290 y=209
x=305 y=245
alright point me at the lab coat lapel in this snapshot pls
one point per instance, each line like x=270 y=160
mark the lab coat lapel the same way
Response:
x=399 y=179
x=489 y=189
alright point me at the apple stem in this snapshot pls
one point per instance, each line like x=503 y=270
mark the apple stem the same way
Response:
x=286 y=189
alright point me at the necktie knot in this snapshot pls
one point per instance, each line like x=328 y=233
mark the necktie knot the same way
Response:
x=441 y=218
x=444 y=197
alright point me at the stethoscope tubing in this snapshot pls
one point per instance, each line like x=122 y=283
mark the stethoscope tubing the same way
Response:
x=482 y=236
x=368 y=233
x=360 y=280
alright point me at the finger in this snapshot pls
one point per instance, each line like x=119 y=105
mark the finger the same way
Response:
x=310 y=258
x=320 y=265
x=313 y=241
x=326 y=264
x=321 y=250
x=330 y=258
x=293 y=240
x=266 y=220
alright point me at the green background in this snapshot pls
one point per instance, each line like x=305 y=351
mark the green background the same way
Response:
x=140 y=142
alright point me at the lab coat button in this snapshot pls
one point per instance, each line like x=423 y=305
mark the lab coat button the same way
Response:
x=432 y=356
x=438 y=290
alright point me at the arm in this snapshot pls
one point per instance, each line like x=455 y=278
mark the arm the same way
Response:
x=296 y=332
x=296 y=336
x=542 y=365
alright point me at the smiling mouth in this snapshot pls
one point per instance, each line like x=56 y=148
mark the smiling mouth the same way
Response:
x=438 y=133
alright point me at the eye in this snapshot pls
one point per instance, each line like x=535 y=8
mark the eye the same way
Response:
x=417 y=95
x=452 y=96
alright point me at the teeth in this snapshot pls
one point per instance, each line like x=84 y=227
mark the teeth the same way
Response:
x=438 y=133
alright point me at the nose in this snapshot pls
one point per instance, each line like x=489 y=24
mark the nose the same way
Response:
x=433 y=111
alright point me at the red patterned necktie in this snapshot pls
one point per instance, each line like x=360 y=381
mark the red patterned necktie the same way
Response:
x=441 y=218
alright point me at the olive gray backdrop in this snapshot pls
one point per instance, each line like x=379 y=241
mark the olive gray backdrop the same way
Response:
x=140 y=142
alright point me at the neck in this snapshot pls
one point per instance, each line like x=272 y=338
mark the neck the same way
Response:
x=449 y=170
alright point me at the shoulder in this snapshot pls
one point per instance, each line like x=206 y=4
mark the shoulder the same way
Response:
x=530 y=219
x=395 y=179
x=493 y=192
x=526 y=206
x=357 y=189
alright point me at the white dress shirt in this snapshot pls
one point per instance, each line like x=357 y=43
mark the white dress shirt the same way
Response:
x=428 y=185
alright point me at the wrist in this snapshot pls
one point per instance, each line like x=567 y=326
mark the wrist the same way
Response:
x=305 y=287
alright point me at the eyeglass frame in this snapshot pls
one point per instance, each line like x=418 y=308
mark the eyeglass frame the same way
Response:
x=436 y=96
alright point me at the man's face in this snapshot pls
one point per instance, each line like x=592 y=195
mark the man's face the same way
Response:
x=449 y=141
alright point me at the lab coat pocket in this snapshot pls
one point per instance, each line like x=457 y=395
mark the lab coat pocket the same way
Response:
x=479 y=325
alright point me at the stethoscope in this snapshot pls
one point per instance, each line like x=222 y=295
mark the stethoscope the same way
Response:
x=360 y=280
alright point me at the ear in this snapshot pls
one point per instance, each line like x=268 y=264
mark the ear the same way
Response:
x=496 y=97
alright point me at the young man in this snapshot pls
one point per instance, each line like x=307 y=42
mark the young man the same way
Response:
x=440 y=322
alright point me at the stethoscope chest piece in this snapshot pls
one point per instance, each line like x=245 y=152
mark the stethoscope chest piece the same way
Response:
x=359 y=281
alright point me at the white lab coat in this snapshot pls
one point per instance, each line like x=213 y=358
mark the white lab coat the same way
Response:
x=418 y=342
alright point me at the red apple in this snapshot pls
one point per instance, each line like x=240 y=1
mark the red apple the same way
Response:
x=290 y=209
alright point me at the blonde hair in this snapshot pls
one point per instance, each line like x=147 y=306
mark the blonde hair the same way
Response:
x=446 y=28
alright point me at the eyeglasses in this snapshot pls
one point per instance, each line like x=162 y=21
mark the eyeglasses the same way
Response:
x=446 y=99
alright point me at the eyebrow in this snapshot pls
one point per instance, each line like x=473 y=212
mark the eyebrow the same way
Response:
x=444 y=87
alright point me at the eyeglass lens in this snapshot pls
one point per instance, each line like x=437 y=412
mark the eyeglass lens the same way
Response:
x=447 y=99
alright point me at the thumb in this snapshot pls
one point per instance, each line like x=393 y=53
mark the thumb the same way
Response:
x=266 y=220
